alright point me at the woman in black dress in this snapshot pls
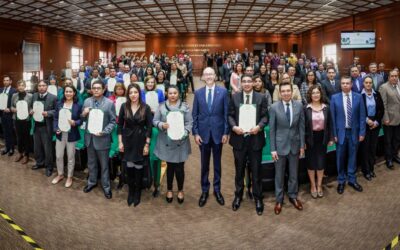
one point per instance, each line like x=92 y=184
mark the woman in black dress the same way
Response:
x=134 y=133
x=318 y=137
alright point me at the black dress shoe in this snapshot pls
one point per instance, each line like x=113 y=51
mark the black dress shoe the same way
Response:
x=88 y=188
x=368 y=177
x=203 y=199
x=236 y=203
x=49 y=172
x=373 y=175
x=36 y=167
x=219 y=198
x=136 y=198
x=356 y=186
x=259 y=207
x=156 y=192
x=4 y=152
x=11 y=152
x=396 y=159
x=340 y=188
x=180 y=200
x=389 y=165
x=108 y=195
x=250 y=195
x=169 y=199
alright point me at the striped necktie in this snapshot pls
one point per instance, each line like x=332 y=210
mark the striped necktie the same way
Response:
x=348 y=111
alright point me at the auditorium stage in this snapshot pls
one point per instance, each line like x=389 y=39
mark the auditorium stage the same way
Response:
x=60 y=218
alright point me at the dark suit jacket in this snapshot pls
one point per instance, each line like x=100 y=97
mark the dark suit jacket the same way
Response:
x=227 y=72
x=309 y=126
x=385 y=76
x=355 y=88
x=11 y=92
x=73 y=134
x=379 y=108
x=50 y=106
x=329 y=89
x=212 y=123
x=258 y=140
x=179 y=77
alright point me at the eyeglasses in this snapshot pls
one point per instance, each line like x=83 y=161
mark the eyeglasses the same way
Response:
x=248 y=81
x=97 y=88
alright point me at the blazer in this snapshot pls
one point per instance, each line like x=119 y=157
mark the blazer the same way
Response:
x=391 y=102
x=14 y=100
x=379 y=108
x=167 y=149
x=73 y=134
x=339 y=119
x=355 y=88
x=179 y=77
x=329 y=89
x=11 y=92
x=286 y=138
x=309 y=125
x=258 y=140
x=50 y=106
x=102 y=142
x=212 y=123
x=227 y=72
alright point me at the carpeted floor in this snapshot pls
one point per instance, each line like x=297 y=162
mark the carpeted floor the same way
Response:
x=60 y=218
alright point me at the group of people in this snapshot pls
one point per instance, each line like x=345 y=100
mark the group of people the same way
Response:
x=305 y=112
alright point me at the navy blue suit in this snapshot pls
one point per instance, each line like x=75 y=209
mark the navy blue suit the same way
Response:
x=357 y=88
x=347 y=138
x=7 y=122
x=210 y=126
x=73 y=134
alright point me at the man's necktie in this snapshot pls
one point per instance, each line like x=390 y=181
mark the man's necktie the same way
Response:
x=209 y=100
x=247 y=99
x=348 y=111
x=288 y=112
x=96 y=104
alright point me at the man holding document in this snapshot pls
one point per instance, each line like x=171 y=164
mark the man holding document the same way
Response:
x=247 y=116
x=287 y=128
x=100 y=118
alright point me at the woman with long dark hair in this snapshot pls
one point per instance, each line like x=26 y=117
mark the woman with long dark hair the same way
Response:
x=134 y=134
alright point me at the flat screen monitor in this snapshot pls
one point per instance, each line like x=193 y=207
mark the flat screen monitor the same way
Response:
x=357 y=39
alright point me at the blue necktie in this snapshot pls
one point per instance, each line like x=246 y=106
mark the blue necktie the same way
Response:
x=209 y=100
x=96 y=104
x=288 y=112
x=348 y=110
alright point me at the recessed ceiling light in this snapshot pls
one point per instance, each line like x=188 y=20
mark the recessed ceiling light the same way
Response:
x=101 y=14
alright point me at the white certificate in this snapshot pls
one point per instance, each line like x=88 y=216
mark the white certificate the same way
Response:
x=3 y=101
x=127 y=79
x=82 y=75
x=152 y=100
x=75 y=82
x=111 y=84
x=22 y=110
x=247 y=117
x=95 y=121
x=161 y=87
x=63 y=116
x=118 y=104
x=176 y=129
x=68 y=73
x=52 y=89
x=38 y=109
x=173 y=80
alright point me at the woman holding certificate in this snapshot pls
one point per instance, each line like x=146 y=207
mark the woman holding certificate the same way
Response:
x=134 y=133
x=66 y=123
x=22 y=127
x=174 y=122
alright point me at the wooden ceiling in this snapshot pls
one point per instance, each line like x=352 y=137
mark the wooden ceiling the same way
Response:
x=123 y=20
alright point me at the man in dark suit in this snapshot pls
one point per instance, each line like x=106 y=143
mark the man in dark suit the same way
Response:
x=6 y=117
x=301 y=70
x=247 y=145
x=348 y=128
x=98 y=145
x=382 y=72
x=43 y=131
x=377 y=79
x=227 y=69
x=331 y=85
x=293 y=78
x=356 y=80
x=210 y=130
x=287 y=129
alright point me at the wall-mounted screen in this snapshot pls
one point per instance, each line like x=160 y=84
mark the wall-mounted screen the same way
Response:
x=357 y=40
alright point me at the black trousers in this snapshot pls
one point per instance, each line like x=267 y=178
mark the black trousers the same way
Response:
x=8 y=130
x=178 y=170
x=23 y=128
x=254 y=163
x=190 y=79
x=134 y=178
x=392 y=141
x=368 y=150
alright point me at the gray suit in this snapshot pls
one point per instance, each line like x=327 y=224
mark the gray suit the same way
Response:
x=377 y=80
x=286 y=140
x=98 y=147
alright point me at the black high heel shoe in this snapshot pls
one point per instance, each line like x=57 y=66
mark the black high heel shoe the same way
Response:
x=169 y=199
x=180 y=200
